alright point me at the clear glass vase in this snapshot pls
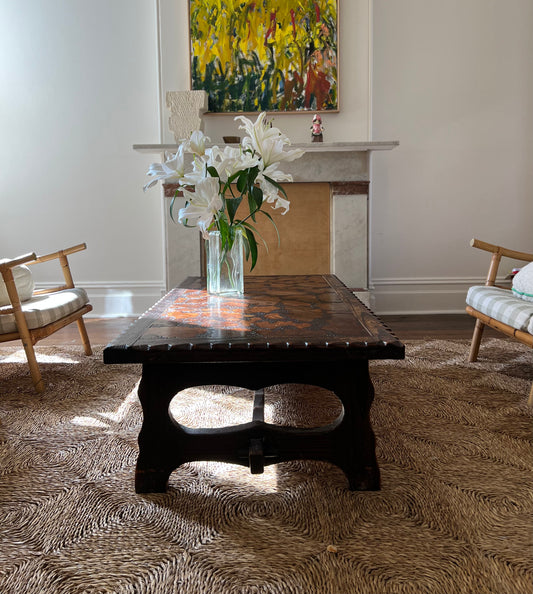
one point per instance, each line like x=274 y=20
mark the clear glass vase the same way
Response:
x=224 y=267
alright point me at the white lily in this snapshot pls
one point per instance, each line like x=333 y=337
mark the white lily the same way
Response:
x=270 y=192
x=196 y=143
x=200 y=165
x=273 y=152
x=268 y=142
x=255 y=163
x=197 y=173
x=230 y=160
x=258 y=132
x=282 y=203
x=203 y=204
x=172 y=170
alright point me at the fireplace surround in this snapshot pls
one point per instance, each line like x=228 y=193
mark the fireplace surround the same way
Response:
x=345 y=169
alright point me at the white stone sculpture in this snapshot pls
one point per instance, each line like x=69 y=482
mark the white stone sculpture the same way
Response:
x=186 y=110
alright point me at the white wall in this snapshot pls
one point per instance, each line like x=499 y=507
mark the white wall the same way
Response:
x=351 y=124
x=453 y=81
x=79 y=85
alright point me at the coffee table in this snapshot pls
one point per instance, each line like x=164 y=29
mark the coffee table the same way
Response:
x=285 y=329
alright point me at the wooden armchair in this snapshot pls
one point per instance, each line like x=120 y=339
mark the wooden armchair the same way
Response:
x=45 y=312
x=497 y=307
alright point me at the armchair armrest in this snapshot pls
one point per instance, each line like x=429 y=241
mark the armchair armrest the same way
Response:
x=497 y=253
x=6 y=273
x=489 y=247
x=60 y=255
x=25 y=259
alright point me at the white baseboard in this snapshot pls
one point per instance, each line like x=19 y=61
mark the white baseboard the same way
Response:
x=398 y=296
x=114 y=299
x=387 y=296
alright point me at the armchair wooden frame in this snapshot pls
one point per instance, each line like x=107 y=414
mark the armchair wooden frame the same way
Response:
x=30 y=337
x=483 y=320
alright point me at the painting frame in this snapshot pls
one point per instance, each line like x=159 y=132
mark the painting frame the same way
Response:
x=254 y=56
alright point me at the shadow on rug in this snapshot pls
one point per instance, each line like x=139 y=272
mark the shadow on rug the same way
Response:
x=454 y=514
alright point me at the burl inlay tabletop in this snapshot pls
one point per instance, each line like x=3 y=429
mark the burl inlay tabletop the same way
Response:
x=278 y=317
x=308 y=330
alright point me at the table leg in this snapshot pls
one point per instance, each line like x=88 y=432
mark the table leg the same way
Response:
x=356 y=448
x=158 y=438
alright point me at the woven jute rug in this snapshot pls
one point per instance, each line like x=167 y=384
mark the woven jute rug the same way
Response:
x=454 y=514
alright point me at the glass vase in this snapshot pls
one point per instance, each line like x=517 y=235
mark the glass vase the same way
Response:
x=224 y=267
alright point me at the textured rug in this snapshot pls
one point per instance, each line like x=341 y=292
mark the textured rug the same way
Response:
x=454 y=514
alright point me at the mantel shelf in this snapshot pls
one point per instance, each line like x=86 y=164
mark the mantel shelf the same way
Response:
x=308 y=147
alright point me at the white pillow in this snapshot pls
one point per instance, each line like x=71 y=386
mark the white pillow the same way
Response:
x=523 y=283
x=23 y=282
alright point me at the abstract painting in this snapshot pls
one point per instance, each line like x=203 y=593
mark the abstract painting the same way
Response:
x=267 y=55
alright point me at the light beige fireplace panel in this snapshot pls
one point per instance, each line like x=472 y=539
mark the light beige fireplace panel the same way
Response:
x=304 y=232
x=322 y=233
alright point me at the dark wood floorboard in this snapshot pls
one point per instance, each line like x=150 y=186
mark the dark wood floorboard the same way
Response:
x=100 y=331
x=405 y=327
x=443 y=326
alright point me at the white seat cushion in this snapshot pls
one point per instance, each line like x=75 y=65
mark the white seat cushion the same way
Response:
x=42 y=310
x=23 y=282
x=501 y=305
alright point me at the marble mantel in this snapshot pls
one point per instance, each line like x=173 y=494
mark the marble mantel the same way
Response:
x=345 y=166
x=322 y=161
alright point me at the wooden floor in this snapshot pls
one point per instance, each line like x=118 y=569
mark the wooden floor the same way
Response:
x=445 y=326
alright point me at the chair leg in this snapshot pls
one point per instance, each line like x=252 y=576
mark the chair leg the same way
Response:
x=530 y=399
x=84 y=336
x=34 y=367
x=476 y=341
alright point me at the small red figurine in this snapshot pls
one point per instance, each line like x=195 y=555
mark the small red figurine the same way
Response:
x=316 y=134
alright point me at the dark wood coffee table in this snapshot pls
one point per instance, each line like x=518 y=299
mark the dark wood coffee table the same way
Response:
x=284 y=329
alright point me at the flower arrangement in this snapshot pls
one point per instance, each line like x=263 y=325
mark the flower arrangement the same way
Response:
x=221 y=180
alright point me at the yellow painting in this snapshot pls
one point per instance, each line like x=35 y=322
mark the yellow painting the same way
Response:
x=268 y=55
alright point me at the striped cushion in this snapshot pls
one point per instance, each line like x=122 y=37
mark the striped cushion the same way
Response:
x=502 y=305
x=42 y=310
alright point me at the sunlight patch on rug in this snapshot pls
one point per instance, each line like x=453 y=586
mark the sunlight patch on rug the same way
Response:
x=19 y=356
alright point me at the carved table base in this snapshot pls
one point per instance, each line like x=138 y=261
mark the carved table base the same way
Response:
x=348 y=442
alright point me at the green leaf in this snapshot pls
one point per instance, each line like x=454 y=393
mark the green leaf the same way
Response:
x=232 y=205
x=233 y=177
x=252 y=206
x=276 y=185
x=225 y=235
x=243 y=224
x=252 y=245
x=228 y=186
x=253 y=172
x=172 y=208
x=242 y=182
x=246 y=246
x=221 y=218
x=257 y=195
x=212 y=171
x=274 y=223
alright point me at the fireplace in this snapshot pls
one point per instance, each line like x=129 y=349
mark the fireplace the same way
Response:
x=329 y=210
